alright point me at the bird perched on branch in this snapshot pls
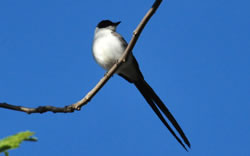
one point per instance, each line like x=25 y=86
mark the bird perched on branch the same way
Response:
x=108 y=47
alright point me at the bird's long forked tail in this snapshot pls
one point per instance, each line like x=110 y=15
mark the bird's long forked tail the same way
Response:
x=156 y=104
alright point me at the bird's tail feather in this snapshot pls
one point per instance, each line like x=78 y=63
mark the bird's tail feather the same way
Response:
x=155 y=102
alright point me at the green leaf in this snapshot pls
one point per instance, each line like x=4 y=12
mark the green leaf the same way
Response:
x=6 y=153
x=14 y=141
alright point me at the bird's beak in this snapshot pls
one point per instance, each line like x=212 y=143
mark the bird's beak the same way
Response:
x=117 y=23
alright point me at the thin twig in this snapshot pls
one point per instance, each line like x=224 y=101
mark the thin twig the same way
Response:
x=101 y=83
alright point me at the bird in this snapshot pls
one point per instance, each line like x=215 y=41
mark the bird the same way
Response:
x=108 y=46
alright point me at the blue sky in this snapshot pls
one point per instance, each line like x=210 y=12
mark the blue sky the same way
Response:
x=195 y=54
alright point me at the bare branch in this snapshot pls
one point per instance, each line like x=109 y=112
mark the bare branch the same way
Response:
x=101 y=83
